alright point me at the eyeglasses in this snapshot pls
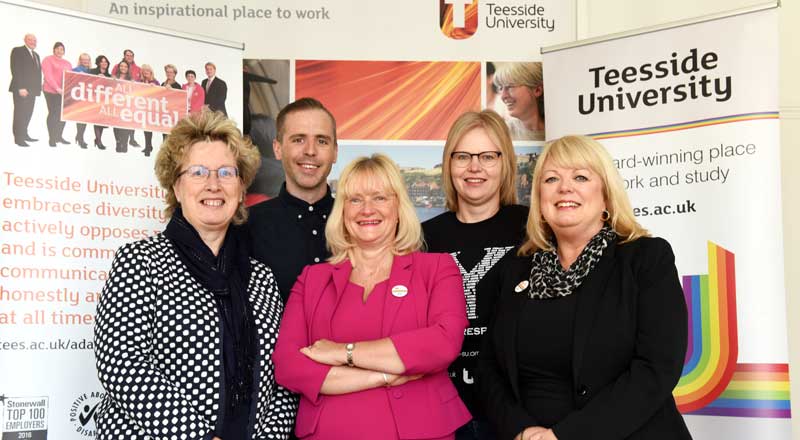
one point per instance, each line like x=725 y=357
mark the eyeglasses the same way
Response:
x=487 y=159
x=199 y=173
x=374 y=200
x=508 y=87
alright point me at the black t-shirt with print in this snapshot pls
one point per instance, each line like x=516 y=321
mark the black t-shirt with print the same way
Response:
x=476 y=248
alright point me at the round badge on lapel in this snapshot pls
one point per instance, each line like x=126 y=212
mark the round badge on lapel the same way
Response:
x=521 y=286
x=399 y=291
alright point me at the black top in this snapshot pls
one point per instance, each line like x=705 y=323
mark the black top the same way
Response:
x=628 y=348
x=96 y=71
x=544 y=351
x=476 y=247
x=287 y=234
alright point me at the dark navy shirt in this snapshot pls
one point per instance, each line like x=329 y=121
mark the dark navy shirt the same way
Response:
x=287 y=234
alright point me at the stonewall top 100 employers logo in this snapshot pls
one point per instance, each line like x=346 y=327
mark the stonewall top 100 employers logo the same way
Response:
x=458 y=19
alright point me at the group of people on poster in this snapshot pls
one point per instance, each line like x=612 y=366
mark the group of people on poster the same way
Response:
x=328 y=318
x=32 y=75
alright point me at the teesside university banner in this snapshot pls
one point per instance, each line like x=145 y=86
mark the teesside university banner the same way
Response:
x=64 y=210
x=690 y=116
x=124 y=104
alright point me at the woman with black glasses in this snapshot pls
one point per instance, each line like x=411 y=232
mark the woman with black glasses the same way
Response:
x=187 y=322
x=482 y=224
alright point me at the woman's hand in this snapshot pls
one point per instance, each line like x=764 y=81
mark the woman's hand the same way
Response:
x=326 y=352
x=394 y=380
x=536 y=433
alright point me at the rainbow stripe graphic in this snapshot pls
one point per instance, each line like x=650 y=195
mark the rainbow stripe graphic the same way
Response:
x=687 y=125
x=756 y=390
x=712 y=382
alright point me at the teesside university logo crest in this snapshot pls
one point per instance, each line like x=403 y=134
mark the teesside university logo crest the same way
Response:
x=458 y=19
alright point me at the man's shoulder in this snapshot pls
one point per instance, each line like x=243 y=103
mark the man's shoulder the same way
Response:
x=266 y=215
x=267 y=207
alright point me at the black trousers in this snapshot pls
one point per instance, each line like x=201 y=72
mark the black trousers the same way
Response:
x=122 y=136
x=23 y=110
x=55 y=128
x=81 y=130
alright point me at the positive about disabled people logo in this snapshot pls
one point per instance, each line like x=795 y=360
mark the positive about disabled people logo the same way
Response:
x=83 y=413
x=24 y=417
x=458 y=19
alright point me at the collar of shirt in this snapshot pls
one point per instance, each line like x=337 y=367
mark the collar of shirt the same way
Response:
x=321 y=206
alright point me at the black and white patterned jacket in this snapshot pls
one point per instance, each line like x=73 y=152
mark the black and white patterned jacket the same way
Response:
x=158 y=339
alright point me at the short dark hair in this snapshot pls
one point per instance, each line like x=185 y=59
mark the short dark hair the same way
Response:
x=188 y=72
x=58 y=44
x=126 y=51
x=300 y=105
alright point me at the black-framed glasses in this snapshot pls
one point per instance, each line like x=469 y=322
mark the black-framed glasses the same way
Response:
x=487 y=159
x=199 y=173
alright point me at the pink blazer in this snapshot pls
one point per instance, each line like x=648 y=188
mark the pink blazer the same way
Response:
x=197 y=98
x=426 y=326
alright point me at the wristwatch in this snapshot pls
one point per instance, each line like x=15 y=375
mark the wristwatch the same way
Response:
x=349 y=348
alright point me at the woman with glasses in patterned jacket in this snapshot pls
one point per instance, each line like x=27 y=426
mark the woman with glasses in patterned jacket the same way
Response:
x=187 y=321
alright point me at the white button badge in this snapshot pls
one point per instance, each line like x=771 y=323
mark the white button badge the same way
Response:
x=399 y=291
x=521 y=286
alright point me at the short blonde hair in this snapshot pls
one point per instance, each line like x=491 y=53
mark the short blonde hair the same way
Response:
x=171 y=66
x=379 y=171
x=528 y=74
x=497 y=130
x=521 y=74
x=581 y=152
x=205 y=126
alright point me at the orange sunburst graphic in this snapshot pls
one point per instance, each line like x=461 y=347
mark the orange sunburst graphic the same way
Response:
x=392 y=100
x=458 y=19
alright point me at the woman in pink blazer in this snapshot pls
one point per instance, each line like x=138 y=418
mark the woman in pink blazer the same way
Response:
x=197 y=95
x=367 y=337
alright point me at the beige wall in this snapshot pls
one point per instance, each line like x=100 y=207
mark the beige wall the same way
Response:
x=596 y=18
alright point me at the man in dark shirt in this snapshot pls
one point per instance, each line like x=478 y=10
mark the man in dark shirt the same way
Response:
x=288 y=232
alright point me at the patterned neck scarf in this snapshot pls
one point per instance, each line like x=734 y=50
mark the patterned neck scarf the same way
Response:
x=549 y=280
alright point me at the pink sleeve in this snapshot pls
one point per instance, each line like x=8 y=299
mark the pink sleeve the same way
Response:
x=52 y=78
x=432 y=348
x=293 y=369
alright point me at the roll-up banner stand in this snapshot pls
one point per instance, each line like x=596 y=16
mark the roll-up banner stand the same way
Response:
x=64 y=210
x=689 y=113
